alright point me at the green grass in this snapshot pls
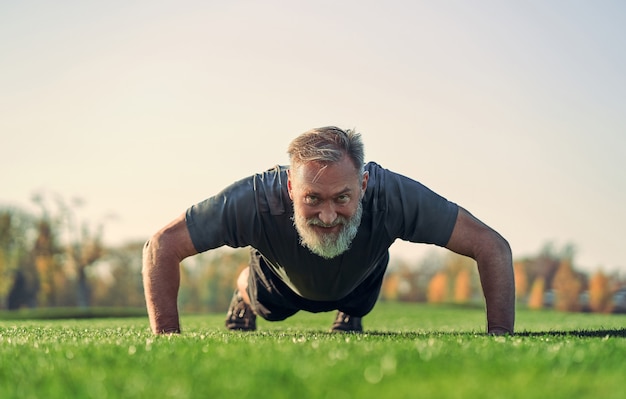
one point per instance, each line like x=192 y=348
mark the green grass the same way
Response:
x=407 y=351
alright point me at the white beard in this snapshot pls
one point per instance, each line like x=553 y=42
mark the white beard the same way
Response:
x=328 y=245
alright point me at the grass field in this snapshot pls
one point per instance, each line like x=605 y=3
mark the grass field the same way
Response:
x=407 y=351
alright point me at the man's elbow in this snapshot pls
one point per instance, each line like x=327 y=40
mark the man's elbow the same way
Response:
x=147 y=255
x=494 y=246
x=160 y=246
x=170 y=244
x=503 y=245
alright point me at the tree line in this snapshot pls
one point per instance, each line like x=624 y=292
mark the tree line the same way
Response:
x=548 y=280
x=49 y=260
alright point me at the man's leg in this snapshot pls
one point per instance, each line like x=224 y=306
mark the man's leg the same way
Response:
x=257 y=295
x=240 y=314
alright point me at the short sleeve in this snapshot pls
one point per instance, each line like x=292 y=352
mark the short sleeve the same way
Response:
x=413 y=212
x=228 y=218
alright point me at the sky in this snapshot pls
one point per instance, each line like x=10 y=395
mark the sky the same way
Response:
x=513 y=110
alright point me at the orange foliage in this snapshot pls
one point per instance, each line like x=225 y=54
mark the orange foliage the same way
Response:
x=390 y=288
x=535 y=301
x=600 y=296
x=438 y=288
x=567 y=287
x=463 y=286
x=521 y=279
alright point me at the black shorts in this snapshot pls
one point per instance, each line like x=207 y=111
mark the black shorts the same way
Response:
x=273 y=300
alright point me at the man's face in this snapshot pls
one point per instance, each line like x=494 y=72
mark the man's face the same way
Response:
x=327 y=204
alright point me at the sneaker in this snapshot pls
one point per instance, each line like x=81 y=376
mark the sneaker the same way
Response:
x=240 y=315
x=346 y=323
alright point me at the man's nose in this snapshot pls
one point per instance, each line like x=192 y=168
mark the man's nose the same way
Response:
x=327 y=213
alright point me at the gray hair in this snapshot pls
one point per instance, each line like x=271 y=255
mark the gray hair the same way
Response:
x=327 y=145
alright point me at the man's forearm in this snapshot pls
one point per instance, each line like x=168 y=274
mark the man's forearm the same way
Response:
x=161 y=279
x=161 y=274
x=496 y=276
x=492 y=252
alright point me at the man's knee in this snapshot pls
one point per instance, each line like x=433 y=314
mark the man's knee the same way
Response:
x=242 y=285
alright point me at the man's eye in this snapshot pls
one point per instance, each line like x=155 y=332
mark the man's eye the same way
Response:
x=342 y=199
x=310 y=199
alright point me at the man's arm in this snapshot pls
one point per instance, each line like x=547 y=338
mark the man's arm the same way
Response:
x=162 y=255
x=492 y=253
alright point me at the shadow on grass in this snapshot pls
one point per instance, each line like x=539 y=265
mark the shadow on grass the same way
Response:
x=604 y=333
x=373 y=333
x=613 y=333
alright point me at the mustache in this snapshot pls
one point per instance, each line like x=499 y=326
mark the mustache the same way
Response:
x=318 y=222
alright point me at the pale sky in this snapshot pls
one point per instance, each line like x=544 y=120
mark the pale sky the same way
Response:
x=514 y=110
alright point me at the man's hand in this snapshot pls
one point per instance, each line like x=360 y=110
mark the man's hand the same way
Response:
x=499 y=331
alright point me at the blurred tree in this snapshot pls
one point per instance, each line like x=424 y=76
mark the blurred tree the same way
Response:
x=567 y=288
x=208 y=279
x=438 y=288
x=189 y=297
x=541 y=271
x=84 y=247
x=543 y=265
x=462 y=270
x=46 y=253
x=82 y=253
x=115 y=279
x=15 y=229
x=412 y=283
x=408 y=289
x=600 y=293
x=463 y=286
x=390 y=290
x=535 y=300
x=521 y=281
x=19 y=282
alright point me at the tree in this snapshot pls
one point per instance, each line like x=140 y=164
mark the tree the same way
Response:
x=65 y=265
x=82 y=253
x=408 y=287
x=462 y=271
x=15 y=229
x=463 y=286
x=600 y=293
x=542 y=271
x=84 y=247
x=115 y=279
x=521 y=280
x=49 y=271
x=535 y=300
x=208 y=280
x=390 y=289
x=567 y=286
x=438 y=288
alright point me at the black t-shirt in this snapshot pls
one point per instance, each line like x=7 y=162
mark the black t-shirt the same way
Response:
x=257 y=212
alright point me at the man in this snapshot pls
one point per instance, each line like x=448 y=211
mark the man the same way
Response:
x=319 y=233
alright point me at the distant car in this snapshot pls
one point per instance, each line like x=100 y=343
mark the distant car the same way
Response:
x=548 y=298
x=583 y=299
x=619 y=301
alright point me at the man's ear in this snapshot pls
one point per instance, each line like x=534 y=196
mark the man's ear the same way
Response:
x=289 y=189
x=366 y=177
